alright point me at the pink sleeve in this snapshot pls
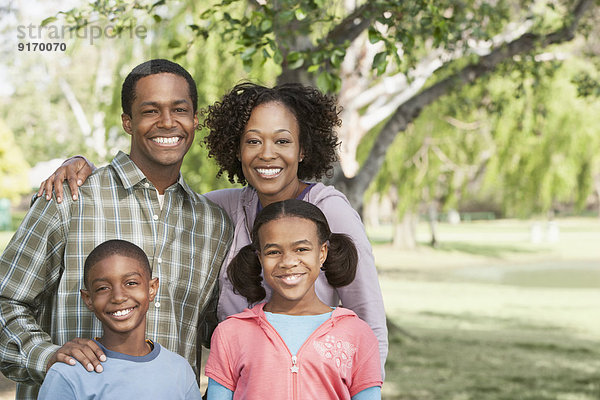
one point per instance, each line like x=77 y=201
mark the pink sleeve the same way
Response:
x=367 y=370
x=219 y=366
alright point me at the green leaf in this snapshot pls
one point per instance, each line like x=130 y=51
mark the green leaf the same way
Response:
x=285 y=17
x=266 y=25
x=295 y=60
x=157 y=17
x=299 y=14
x=380 y=62
x=248 y=53
x=277 y=57
x=324 y=81
x=48 y=21
x=374 y=35
x=174 y=43
x=313 y=68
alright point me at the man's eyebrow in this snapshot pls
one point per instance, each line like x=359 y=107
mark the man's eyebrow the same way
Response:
x=156 y=103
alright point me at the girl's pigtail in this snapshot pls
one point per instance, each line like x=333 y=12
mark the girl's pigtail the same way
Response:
x=342 y=259
x=244 y=273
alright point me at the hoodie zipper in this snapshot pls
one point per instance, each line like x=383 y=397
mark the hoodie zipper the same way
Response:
x=294 y=369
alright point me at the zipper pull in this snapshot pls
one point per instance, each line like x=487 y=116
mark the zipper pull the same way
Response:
x=294 y=367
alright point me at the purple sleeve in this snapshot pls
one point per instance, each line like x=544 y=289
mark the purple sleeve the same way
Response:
x=363 y=295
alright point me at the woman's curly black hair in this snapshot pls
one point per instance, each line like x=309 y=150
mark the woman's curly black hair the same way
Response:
x=317 y=115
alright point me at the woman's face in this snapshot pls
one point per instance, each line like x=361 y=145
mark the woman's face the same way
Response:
x=270 y=152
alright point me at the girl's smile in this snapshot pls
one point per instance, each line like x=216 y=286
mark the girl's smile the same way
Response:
x=291 y=256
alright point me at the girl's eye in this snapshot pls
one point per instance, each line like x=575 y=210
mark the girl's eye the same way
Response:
x=303 y=249
x=272 y=252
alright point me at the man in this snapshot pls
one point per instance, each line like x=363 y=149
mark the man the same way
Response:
x=141 y=198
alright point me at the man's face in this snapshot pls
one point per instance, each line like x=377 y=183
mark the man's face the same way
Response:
x=162 y=123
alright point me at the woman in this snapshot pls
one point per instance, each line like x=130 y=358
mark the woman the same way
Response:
x=273 y=140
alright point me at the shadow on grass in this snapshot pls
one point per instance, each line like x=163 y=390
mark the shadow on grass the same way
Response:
x=487 y=250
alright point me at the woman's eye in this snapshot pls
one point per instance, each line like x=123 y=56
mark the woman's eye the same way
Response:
x=253 y=141
x=283 y=141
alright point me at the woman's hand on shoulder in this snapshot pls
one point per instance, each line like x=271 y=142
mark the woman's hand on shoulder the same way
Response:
x=74 y=170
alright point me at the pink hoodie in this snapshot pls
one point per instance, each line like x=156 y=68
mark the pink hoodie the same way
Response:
x=338 y=360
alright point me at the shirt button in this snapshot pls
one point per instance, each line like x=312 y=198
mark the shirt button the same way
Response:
x=146 y=185
x=159 y=260
x=155 y=217
x=157 y=304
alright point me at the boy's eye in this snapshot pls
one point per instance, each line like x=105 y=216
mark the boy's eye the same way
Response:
x=181 y=110
x=131 y=283
x=101 y=288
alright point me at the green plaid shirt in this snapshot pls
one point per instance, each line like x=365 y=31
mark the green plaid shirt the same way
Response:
x=41 y=270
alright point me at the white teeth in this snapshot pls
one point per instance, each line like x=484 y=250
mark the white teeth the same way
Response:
x=166 y=140
x=291 y=277
x=121 y=313
x=270 y=171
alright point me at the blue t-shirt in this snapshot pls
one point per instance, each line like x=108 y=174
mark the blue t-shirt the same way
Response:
x=161 y=374
x=294 y=330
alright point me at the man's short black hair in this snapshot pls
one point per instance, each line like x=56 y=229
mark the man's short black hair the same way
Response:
x=152 y=67
x=112 y=247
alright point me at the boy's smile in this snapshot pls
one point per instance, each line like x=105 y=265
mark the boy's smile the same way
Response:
x=119 y=291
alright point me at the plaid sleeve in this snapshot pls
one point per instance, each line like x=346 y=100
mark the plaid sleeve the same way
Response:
x=30 y=269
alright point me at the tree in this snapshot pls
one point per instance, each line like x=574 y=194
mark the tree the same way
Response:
x=400 y=56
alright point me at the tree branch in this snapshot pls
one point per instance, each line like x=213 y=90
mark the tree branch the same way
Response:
x=409 y=111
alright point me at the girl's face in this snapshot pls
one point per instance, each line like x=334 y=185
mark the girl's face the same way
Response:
x=270 y=152
x=291 y=256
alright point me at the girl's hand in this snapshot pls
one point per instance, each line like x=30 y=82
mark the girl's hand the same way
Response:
x=75 y=170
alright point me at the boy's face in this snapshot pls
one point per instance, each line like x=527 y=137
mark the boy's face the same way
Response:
x=119 y=290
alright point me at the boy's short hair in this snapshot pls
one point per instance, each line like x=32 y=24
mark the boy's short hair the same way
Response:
x=115 y=247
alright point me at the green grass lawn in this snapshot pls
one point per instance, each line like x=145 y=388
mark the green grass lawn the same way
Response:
x=490 y=315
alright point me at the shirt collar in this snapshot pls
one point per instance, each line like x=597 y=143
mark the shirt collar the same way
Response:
x=131 y=175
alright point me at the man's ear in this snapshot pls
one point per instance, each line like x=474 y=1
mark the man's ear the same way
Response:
x=126 y=121
x=152 y=288
x=85 y=295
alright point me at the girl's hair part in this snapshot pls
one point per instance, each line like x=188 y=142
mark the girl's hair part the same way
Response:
x=244 y=273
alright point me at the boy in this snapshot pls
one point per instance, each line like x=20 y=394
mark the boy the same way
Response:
x=118 y=289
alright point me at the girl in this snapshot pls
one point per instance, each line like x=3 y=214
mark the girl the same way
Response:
x=294 y=346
